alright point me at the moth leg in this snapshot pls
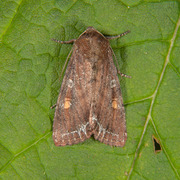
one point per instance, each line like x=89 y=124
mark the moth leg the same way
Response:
x=64 y=42
x=118 y=36
x=118 y=71
x=114 y=37
x=123 y=75
x=53 y=106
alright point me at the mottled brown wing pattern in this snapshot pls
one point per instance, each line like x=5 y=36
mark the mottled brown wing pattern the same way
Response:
x=109 y=113
x=90 y=100
x=71 y=121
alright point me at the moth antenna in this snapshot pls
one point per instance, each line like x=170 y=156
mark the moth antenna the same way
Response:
x=118 y=36
x=64 y=42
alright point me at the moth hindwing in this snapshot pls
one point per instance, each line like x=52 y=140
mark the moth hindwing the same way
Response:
x=90 y=100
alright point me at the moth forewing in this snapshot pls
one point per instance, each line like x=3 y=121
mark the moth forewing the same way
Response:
x=90 y=100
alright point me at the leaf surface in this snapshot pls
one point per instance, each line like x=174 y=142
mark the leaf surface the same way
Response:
x=30 y=66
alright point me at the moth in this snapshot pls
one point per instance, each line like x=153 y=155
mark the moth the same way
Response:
x=90 y=100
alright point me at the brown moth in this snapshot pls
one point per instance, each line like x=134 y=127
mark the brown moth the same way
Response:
x=90 y=100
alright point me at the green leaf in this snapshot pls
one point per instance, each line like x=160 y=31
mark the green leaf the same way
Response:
x=30 y=66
